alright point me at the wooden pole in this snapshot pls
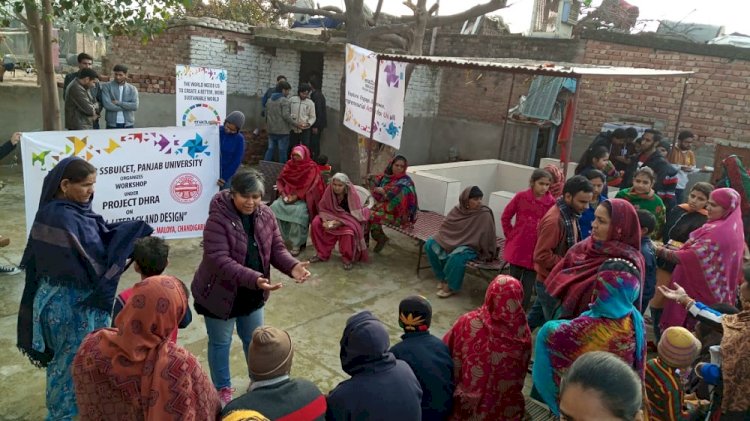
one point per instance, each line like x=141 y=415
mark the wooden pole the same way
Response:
x=371 y=141
x=679 y=112
x=507 y=113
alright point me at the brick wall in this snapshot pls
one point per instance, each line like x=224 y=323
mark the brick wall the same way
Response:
x=479 y=95
x=247 y=66
x=423 y=93
x=333 y=69
x=455 y=45
x=718 y=95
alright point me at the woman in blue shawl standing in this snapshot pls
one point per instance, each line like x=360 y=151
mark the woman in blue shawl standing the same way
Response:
x=73 y=262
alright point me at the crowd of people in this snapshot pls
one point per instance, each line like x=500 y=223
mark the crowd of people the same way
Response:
x=589 y=272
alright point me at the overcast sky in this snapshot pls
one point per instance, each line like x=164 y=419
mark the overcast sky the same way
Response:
x=733 y=14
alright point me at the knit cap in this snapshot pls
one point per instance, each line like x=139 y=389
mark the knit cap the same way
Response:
x=414 y=314
x=236 y=118
x=270 y=354
x=678 y=347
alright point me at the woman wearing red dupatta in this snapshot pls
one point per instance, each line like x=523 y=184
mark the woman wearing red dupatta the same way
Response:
x=573 y=279
x=300 y=186
x=134 y=372
x=708 y=266
x=341 y=218
x=491 y=349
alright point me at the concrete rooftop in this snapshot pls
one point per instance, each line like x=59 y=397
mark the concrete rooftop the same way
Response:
x=314 y=313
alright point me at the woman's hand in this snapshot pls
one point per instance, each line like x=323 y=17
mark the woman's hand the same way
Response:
x=678 y=294
x=265 y=284
x=378 y=190
x=300 y=272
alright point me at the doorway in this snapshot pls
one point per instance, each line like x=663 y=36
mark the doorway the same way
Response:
x=311 y=65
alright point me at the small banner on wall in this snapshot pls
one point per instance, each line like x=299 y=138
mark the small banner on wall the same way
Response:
x=165 y=176
x=361 y=65
x=201 y=95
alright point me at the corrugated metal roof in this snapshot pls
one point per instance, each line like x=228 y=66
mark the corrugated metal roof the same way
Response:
x=513 y=65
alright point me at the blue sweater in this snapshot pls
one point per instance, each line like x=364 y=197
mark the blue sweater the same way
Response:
x=649 y=280
x=431 y=362
x=232 y=150
x=587 y=218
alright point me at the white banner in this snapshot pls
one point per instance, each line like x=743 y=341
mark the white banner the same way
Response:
x=165 y=176
x=360 y=88
x=201 y=95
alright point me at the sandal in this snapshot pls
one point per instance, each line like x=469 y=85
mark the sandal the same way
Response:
x=348 y=266
x=315 y=259
x=295 y=252
x=380 y=245
x=445 y=293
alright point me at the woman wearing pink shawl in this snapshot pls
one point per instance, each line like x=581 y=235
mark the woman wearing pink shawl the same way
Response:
x=708 y=265
x=341 y=218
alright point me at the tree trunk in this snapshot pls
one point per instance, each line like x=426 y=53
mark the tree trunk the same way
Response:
x=50 y=107
x=40 y=31
x=356 y=23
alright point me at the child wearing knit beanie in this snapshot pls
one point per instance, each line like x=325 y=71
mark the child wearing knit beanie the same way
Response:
x=677 y=350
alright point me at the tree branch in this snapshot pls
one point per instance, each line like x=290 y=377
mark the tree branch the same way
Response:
x=284 y=8
x=380 y=31
x=395 y=40
x=478 y=10
x=377 y=13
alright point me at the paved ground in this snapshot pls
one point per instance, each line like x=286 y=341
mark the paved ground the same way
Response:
x=314 y=312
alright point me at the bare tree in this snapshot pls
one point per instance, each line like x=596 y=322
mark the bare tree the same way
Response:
x=405 y=33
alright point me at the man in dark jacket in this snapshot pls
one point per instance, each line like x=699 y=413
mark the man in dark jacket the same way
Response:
x=85 y=61
x=381 y=387
x=272 y=392
x=427 y=356
x=321 y=122
x=666 y=174
x=80 y=107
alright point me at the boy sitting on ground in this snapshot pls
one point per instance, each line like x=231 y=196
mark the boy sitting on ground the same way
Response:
x=150 y=258
x=678 y=348
x=427 y=356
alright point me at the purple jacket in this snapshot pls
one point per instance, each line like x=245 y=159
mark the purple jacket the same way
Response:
x=222 y=270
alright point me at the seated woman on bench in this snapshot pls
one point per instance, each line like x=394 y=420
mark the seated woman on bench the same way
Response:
x=341 y=219
x=468 y=233
x=300 y=188
x=396 y=199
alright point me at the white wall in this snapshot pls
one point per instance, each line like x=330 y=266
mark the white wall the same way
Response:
x=251 y=69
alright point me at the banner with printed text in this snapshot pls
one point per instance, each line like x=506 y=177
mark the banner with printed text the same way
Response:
x=165 y=176
x=361 y=65
x=201 y=95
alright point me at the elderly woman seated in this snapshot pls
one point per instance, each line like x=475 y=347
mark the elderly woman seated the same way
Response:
x=341 y=218
x=300 y=186
x=468 y=233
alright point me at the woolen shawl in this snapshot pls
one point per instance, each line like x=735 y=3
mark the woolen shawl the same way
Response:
x=71 y=245
x=711 y=260
x=329 y=209
x=135 y=370
x=491 y=349
x=302 y=178
x=573 y=279
x=474 y=228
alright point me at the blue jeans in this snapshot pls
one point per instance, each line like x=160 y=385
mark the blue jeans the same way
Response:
x=544 y=307
x=119 y=126
x=280 y=142
x=220 y=340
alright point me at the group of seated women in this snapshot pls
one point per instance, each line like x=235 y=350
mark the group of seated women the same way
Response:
x=336 y=213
